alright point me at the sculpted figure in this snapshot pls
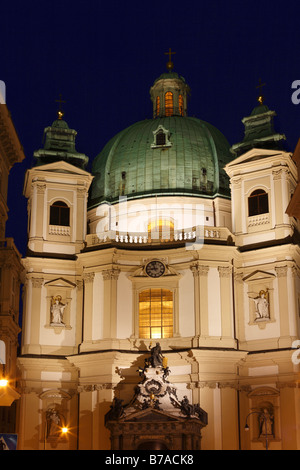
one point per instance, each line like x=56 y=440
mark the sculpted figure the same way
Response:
x=186 y=407
x=266 y=423
x=57 y=310
x=53 y=421
x=156 y=356
x=262 y=305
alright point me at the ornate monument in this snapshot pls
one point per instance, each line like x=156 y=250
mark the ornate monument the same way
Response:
x=155 y=418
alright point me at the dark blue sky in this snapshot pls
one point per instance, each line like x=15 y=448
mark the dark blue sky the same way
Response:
x=104 y=56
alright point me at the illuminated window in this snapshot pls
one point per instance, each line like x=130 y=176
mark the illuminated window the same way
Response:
x=180 y=102
x=60 y=214
x=157 y=105
x=258 y=202
x=162 y=228
x=169 y=103
x=156 y=313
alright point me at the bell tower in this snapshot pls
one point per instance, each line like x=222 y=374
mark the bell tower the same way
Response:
x=57 y=191
x=262 y=177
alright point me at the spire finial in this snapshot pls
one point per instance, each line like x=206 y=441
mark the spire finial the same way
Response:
x=260 y=98
x=170 y=64
x=60 y=112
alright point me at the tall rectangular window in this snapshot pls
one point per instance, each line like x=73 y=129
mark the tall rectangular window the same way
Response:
x=169 y=104
x=156 y=313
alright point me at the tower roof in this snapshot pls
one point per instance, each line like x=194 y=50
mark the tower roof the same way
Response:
x=59 y=144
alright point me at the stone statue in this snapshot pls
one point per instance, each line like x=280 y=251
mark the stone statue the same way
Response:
x=156 y=359
x=266 y=423
x=262 y=305
x=57 y=311
x=53 y=421
x=186 y=407
x=116 y=410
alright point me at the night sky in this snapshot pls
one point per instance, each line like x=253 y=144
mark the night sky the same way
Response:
x=103 y=57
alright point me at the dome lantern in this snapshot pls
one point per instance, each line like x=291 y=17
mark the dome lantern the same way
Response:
x=169 y=93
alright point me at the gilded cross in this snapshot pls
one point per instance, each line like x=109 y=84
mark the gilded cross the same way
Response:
x=170 y=63
x=60 y=111
x=260 y=86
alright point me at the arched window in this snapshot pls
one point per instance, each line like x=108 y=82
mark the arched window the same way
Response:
x=157 y=105
x=60 y=214
x=169 y=103
x=258 y=202
x=180 y=103
x=156 y=313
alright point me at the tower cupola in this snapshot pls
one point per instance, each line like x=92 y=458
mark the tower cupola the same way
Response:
x=169 y=93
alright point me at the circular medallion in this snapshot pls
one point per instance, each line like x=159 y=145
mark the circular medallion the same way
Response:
x=155 y=268
x=153 y=386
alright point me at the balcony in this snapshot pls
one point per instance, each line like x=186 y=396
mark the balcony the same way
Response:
x=59 y=230
x=189 y=235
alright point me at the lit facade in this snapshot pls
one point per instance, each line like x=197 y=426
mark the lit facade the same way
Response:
x=175 y=238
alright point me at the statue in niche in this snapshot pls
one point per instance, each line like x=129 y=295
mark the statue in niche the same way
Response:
x=53 y=421
x=57 y=311
x=266 y=423
x=262 y=306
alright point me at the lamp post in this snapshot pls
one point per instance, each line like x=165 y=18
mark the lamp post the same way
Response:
x=56 y=418
x=265 y=421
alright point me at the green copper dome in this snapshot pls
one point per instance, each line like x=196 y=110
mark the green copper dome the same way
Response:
x=189 y=160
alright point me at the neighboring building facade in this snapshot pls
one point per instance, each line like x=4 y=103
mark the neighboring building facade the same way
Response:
x=11 y=270
x=174 y=238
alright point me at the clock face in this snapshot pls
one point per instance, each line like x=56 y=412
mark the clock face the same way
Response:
x=155 y=269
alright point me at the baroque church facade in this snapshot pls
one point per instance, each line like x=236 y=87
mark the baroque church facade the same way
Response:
x=178 y=241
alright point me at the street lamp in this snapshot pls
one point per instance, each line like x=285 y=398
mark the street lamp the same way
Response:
x=265 y=421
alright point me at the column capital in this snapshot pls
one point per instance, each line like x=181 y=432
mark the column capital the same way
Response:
x=224 y=271
x=111 y=274
x=199 y=270
x=281 y=271
x=88 y=277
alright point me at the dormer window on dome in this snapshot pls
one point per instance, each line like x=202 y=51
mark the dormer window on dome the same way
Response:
x=161 y=137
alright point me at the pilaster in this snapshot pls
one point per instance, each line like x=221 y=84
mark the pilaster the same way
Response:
x=110 y=278
x=200 y=273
